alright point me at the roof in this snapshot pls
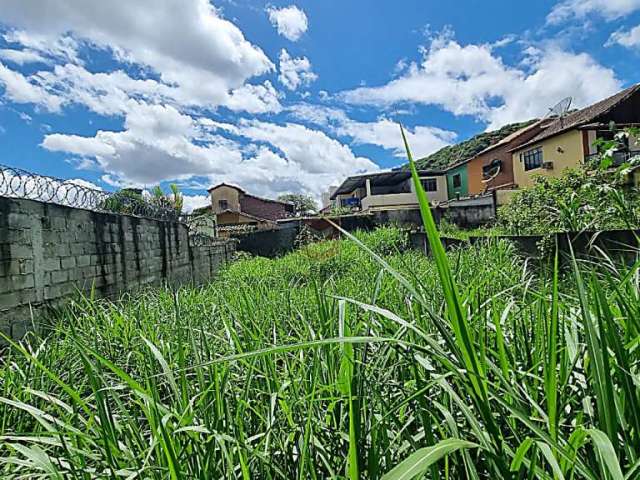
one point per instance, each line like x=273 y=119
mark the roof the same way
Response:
x=581 y=117
x=505 y=141
x=466 y=149
x=379 y=179
x=247 y=215
x=226 y=185
x=324 y=217
x=510 y=138
x=248 y=194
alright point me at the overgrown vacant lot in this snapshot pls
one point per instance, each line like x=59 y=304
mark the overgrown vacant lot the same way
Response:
x=328 y=363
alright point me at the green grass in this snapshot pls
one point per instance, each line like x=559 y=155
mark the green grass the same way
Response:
x=327 y=364
x=346 y=359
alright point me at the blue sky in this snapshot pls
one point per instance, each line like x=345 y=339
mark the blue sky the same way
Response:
x=288 y=96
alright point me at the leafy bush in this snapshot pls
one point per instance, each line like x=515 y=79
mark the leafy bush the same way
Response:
x=132 y=201
x=126 y=201
x=593 y=197
x=579 y=200
x=171 y=201
x=303 y=204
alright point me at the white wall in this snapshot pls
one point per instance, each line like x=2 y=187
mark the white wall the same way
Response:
x=406 y=199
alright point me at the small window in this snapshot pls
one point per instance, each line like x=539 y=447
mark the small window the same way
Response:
x=457 y=180
x=532 y=158
x=429 y=184
x=223 y=205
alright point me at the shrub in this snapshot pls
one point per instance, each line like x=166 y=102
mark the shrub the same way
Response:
x=596 y=196
x=579 y=200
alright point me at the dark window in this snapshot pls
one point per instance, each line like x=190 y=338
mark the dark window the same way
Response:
x=223 y=205
x=402 y=187
x=429 y=184
x=457 y=180
x=532 y=158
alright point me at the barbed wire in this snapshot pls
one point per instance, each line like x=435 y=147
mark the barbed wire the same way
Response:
x=18 y=183
x=203 y=229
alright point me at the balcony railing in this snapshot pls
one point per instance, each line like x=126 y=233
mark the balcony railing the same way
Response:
x=618 y=157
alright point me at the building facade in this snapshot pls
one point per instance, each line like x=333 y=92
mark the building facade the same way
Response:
x=492 y=168
x=389 y=190
x=234 y=206
x=569 y=141
x=457 y=181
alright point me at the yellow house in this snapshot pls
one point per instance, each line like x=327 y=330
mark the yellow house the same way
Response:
x=569 y=141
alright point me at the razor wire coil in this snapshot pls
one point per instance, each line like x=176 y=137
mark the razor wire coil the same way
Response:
x=19 y=183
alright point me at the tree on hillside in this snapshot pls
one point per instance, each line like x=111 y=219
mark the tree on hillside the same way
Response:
x=303 y=203
x=468 y=148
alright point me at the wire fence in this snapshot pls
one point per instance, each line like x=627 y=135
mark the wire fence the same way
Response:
x=203 y=229
x=19 y=183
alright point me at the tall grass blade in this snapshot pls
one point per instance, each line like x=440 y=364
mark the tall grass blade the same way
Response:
x=418 y=462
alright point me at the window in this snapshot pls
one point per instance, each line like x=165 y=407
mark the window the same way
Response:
x=429 y=184
x=532 y=158
x=223 y=205
x=457 y=180
x=402 y=187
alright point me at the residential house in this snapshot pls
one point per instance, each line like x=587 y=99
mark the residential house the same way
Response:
x=569 y=140
x=389 y=190
x=492 y=168
x=233 y=206
x=457 y=180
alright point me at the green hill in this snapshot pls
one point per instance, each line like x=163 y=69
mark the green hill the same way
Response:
x=454 y=153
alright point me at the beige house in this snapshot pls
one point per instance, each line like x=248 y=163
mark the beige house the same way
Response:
x=569 y=141
x=234 y=207
x=389 y=190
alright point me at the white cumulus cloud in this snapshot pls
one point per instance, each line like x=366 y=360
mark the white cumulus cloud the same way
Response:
x=186 y=42
x=580 y=9
x=473 y=80
x=20 y=89
x=291 y=22
x=254 y=99
x=21 y=57
x=158 y=143
x=46 y=47
x=629 y=38
x=383 y=132
x=191 y=202
x=295 y=72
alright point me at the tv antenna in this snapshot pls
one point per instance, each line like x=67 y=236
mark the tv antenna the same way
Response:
x=560 y=109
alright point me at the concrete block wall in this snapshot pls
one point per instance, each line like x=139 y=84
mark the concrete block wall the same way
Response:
x=49 y=252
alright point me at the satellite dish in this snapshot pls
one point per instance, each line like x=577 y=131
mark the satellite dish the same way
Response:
x=560 y=109
x=491 y=170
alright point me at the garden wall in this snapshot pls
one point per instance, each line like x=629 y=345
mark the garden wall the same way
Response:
x=268 y=243
x=470 y=212
x=49 y=252
x=617 y=244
